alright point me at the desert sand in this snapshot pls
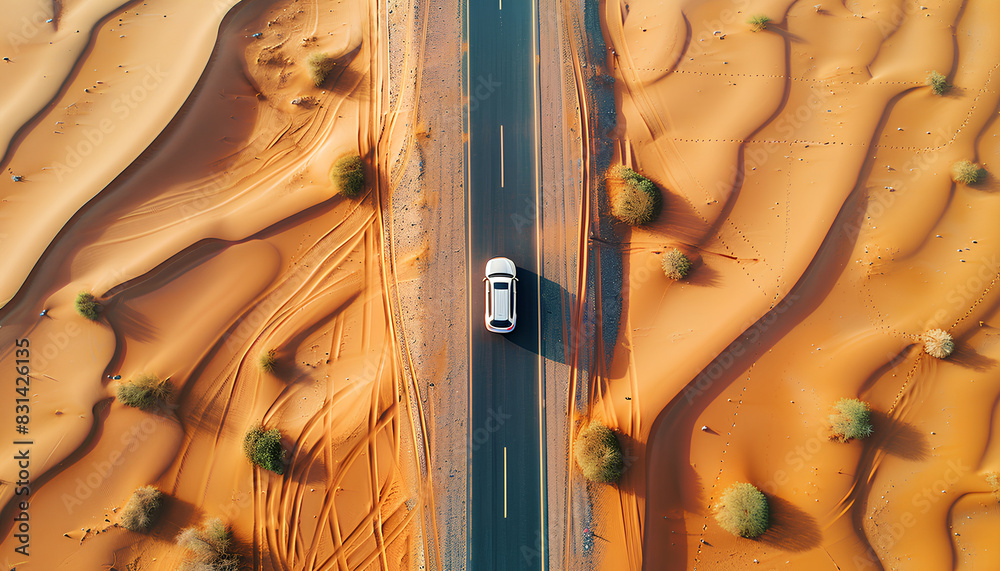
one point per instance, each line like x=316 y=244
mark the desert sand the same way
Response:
x=806 y=171
x=172 y=159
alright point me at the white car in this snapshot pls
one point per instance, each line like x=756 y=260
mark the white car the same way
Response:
x=501 y=295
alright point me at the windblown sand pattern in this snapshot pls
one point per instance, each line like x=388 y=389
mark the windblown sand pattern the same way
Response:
x=172 y=158
x=807 y=170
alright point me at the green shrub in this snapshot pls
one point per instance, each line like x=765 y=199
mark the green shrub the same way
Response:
x=140 y=510
x=87 y=305
x=938 y=343
x=268 y=361
x=348 y=174
x=263 y=448
x=993 y=479
x=145 y=392
x=320 y=65
x=742 y=510
x=967 y=172
x=598 y=453
x=939 y=83
x=637 y=202
x=675 y=264
x=758 y=23
x=208 y=547
x=851 y=419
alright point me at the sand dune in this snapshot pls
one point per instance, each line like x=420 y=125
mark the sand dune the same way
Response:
x=807 y=172
x=185 y=184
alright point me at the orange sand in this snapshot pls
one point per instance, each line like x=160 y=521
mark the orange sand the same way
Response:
x=807 y=173
x=175 y=180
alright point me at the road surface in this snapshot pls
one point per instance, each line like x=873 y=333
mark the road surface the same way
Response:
x=506 y=526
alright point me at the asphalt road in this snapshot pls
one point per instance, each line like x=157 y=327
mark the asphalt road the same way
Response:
x=505 y=450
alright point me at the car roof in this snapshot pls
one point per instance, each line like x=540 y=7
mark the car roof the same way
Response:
x=501 y=301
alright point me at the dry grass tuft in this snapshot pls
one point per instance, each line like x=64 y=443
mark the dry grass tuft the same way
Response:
x=320 y=65
x=268 y=361
x=348 y=174
x=637 y=200
x=675 y=264
x=140 y=510
x=938 y=343
x=208 y=547
x=598 y=453
x=145 y=392
x=852 y=419
x=758 y=23
x=263 y=448
x=967 y=172
x=742 y=510
x=87 y=305
x=938 y=83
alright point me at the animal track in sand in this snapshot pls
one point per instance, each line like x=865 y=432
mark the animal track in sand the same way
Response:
x=722 y=461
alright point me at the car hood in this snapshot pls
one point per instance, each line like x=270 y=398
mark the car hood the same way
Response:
x=500 y=266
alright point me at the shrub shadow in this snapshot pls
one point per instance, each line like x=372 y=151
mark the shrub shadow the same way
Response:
x=897 y=437
x=893 y=361
x=784 y=34
x=990 y=183
x=678 y=219
x=968 y=357
x=342 y=79
x=632 y=456
x=129 y=321
x=174 y=515
x=790 y=528
x=701 y=274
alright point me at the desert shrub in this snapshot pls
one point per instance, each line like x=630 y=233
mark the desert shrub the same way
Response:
x=263 y=448
x=939 y=83
x=268 y=361
x=758 y=23
x=742 y=510
x=638 y=201
x=208 y=547
x=319 y=65
x=993 y=479
x=140 y=509
x=938 y=343
x=348 y=173
x=851 y=419
x=87 y=305
x=145 y=392
x=967 y=172
x=598 y=453
x=675 y=264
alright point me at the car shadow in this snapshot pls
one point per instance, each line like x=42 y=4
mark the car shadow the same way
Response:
x=552 y=307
